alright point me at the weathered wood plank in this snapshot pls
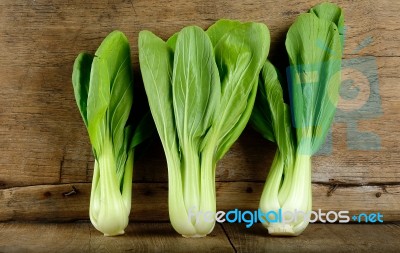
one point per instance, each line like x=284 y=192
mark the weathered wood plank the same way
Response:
x=43 y=140
x=318 y=238
x=160 y=237
x=59 y=29
x=52 y=203
x=16 y=237
x=83 y=237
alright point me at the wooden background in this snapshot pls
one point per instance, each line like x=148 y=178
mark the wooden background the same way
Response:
x=45 y=157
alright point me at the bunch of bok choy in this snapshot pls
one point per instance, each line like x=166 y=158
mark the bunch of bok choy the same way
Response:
x=103 y=90
x=314 y=45
x=201 y=88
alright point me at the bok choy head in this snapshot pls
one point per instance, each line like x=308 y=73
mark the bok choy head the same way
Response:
x=314 y=44
x=104 y=94
x=201 y=88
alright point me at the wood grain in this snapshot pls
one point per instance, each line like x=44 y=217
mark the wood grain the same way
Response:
x=45 y=237
x=317 y=238
x=83 y=237
x=69 y=202
x=43 y=141
x=160 y=237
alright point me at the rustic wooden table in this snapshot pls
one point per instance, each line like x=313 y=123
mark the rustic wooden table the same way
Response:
x=160 y=237
x=45 y=152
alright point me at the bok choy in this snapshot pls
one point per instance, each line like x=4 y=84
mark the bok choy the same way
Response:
x=314 y=44
x=104 y=94
x=201 y=89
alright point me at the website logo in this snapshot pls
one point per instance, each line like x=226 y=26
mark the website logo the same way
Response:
x=280 y=216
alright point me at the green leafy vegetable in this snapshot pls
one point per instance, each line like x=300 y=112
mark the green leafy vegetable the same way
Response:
x=104 y=94
x=201 y=90
x=315 y=49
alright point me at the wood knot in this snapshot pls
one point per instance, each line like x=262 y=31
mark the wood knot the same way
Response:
x=378 y=194
x=47 y=194
x=148 y=192
x=249 y=189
